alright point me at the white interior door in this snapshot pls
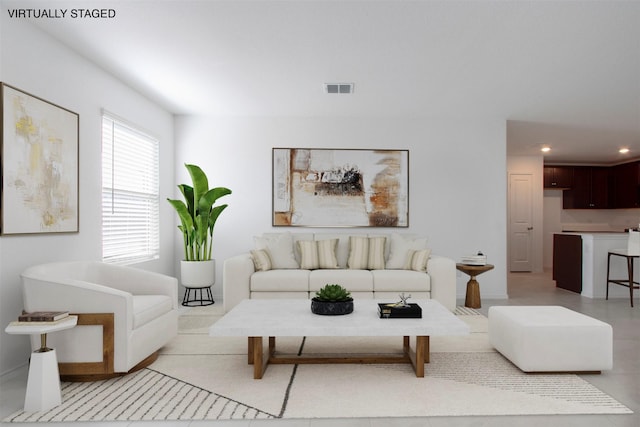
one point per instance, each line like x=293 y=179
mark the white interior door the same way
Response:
x=520 y=222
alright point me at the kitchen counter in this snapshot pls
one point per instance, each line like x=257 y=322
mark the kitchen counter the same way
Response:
x=595 y=247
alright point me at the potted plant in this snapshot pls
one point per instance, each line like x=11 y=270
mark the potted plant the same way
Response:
x=332 y=300
x=198 y=216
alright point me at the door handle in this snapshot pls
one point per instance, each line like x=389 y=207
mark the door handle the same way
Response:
x=529 y=228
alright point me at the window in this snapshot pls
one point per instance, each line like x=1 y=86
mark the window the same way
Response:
x=130 y=194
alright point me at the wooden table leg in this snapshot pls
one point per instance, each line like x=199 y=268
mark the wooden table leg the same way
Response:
x=422 y=354
x=258 y=368
x=472 y=299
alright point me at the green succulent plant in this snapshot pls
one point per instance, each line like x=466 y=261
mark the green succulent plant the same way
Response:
x=333 y=293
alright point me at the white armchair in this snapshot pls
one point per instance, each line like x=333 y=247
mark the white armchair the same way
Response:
x=125 y=315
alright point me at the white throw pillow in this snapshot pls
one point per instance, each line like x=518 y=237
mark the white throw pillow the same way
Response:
x=280 y=247
x=327 y=253
x=399 y=250
x=308 y=254
x=261 y=259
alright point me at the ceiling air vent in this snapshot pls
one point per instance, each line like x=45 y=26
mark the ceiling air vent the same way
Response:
x=338 y=88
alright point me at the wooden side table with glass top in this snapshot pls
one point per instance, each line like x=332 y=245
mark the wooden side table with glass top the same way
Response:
x=472 y=299
x=43 y=383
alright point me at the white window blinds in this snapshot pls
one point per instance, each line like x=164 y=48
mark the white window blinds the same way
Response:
x=130 y=193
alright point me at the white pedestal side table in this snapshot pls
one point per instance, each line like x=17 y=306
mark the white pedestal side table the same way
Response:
x=43 y=383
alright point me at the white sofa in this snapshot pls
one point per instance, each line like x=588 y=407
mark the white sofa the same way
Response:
x=125 y=315
x=286 y=279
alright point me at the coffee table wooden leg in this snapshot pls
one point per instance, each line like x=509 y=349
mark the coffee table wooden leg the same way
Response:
x=258 y=359
x=422 y=354
x=405 y=345
x=250 y=350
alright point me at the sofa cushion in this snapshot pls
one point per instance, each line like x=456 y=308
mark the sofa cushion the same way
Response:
x=352 y=280
x=280 y=247
x=400 y=281
x=399 y=249
x=280 y=280
x=149 y=307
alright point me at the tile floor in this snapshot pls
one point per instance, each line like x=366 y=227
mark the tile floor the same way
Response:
x=623 y=382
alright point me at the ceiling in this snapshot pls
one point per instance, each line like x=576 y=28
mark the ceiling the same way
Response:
x=562 y=73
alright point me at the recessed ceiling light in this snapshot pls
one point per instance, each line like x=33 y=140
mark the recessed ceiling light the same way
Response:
x=623 y=150
x=545 y=149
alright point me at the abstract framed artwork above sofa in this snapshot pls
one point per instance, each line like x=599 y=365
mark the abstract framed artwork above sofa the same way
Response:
x=318 y=187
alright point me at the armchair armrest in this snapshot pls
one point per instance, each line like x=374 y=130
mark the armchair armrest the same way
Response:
x=236 y=278
x=442 y=271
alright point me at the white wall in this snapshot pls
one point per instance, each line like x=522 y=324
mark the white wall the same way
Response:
x=457 y=178
x=38 y=65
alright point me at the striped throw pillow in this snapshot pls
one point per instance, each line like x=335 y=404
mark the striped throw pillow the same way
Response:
x=308 y=254
x=417 y=260
x=327 y=253
x=358 y=253
x=375 y=260
x=261 y=259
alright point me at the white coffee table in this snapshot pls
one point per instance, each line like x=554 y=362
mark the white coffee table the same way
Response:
x=43 y=382
x=272 y=318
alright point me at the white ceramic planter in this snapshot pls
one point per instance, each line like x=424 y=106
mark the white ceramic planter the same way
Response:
x=197 y=274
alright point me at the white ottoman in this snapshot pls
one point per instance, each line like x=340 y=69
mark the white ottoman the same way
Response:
x=550 y=339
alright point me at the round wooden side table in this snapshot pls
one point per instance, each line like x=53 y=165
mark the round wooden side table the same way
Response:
x=472 y=299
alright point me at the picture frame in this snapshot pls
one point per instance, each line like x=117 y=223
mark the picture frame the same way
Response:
x=39 y=159
x=323 y=187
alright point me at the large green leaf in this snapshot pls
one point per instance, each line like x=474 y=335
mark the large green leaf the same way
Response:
x=197 y=213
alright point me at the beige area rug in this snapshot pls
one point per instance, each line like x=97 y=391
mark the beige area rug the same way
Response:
x=200 y=377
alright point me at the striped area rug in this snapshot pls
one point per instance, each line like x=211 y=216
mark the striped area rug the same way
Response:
x=145 y=395
x=198 y=377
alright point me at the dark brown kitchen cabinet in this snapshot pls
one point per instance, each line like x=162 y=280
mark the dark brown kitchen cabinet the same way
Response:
x=625 y=185
x=558 y=177
x=590 y=188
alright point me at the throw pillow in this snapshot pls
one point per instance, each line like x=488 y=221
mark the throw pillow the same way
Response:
x=308 y=254
x=375 y=260
x=261 y=260
x=280 y=248
x=417 y=260
x=327 y=253
x=358 y=253
x=399 y=250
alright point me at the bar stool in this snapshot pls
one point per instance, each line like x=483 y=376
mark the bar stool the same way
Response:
x=629 y=282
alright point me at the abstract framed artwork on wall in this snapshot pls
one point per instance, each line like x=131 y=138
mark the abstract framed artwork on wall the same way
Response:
x=319 y=187
x=39 y=165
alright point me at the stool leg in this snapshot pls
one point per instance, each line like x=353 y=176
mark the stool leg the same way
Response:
x=630 y=270
x=608 y=269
